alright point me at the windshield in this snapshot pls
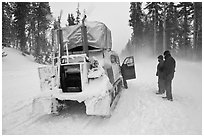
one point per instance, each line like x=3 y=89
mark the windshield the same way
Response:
x=76 y=59
x=72 y=59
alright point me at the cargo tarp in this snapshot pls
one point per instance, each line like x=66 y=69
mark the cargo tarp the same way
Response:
x=98 y=35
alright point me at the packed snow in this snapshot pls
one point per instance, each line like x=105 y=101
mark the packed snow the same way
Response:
x=138 y=111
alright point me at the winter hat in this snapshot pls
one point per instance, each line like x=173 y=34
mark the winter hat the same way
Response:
x=167 y=52
x=160 y=57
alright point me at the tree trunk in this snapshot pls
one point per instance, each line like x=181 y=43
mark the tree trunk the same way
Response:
x=164 y=29
x=22 y=38
x=37 y=51
x=195 y=26
x=155 y=33
x=185 y=31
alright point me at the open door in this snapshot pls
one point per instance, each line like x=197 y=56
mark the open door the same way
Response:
x=128 y=68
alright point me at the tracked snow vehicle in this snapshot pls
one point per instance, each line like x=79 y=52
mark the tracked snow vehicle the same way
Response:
x=84 y=69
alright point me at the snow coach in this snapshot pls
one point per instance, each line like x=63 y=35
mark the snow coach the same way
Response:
x=84 y=69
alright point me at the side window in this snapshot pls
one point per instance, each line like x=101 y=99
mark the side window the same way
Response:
x=55 y=57
x=117 y=60
x=64 y=60
x=113 y=59
x=129 y=61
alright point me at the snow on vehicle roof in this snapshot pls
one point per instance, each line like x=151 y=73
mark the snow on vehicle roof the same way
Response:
x=98 y=35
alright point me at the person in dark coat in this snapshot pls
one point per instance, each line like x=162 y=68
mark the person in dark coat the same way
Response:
x=160 y=74
x=169 y=69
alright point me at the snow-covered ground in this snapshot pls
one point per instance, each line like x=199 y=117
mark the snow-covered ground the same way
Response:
x=139 y=109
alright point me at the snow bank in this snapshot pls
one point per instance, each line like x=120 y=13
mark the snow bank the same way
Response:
x=20 y=80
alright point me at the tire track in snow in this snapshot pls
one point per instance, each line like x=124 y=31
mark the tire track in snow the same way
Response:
x=149 y=113
x=18 y=107
x=18 y=117
x=26 y=122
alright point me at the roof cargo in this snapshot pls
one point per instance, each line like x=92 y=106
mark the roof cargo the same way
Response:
x=98 y=36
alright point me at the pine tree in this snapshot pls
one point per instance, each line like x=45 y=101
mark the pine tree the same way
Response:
x=20 y=14
x=36 y=26
x=197 y=32
x=172 y=26
x=27 y=22
x=71 y=19
x=136 y=23
x=42 y=23
x=154 y=10
x=6 y=23
x=32 y=27
x=78 y=15
x=148 y=31
x=185 y=13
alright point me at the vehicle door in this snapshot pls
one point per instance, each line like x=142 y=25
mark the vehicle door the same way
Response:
x=128 y=68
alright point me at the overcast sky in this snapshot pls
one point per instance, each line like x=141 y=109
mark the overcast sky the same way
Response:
x=114 y=14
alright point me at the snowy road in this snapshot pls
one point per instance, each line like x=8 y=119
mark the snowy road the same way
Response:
x=139 y=110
